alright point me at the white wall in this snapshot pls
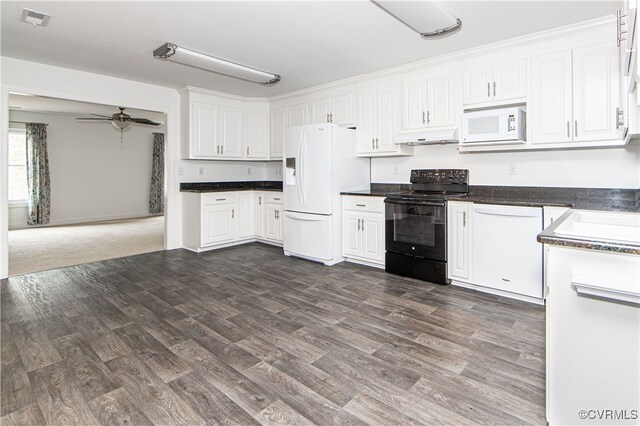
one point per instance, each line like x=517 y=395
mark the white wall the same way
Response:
x=94 y=176
x=589 y=168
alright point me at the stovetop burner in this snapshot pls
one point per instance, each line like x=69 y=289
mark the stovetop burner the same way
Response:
x=435 y=185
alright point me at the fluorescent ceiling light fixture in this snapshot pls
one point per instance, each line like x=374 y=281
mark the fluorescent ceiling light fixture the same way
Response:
x=424 y=17
x=34 y=17
x=181 y=55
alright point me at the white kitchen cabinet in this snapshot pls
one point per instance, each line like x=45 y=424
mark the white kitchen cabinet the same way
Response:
x=363 y=233
x=427 y=100
x=231 y=132
x=459 y=240
x=243 y=215
x=375 y=123
x=282 y=118
x=595 y=92
x=495 y=83
x=575 y=96
x=551 y=104
x=258 y=214
x=335 y=109
x=257 y=134
x=203 y=129
x=220 y=219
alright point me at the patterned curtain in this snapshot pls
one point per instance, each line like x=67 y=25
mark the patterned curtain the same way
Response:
x=156 y=196
x=38 y=174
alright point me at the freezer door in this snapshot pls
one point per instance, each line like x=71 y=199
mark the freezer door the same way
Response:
x=307 y=169
x=308 y=235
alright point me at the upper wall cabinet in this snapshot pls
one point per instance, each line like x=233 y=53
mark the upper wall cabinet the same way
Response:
x=575 y=96
x=495 y=82
x=333 y=108
x=223 y=128
x=283 y=117
x=375 y=124
x=426 y=100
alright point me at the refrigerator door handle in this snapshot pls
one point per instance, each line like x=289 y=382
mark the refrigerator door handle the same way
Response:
x=305 y=217
x=301 y=176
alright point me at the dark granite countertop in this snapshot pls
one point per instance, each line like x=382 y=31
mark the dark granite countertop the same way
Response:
x=366 y=193
x=549 y=236
x=380 y=189
x=198 y=187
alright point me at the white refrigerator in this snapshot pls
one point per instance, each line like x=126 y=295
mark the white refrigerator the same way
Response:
x=319 y=162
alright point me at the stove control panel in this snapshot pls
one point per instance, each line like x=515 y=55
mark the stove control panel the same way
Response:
x=442 y=176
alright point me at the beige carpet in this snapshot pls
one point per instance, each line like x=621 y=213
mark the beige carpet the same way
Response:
x=39 y=249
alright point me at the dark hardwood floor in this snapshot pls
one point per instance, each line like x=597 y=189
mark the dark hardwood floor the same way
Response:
x=248 y=336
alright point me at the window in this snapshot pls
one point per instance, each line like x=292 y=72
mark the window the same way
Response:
x=18 y=187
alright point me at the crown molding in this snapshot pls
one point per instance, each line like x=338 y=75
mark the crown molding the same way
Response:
x=192 y=89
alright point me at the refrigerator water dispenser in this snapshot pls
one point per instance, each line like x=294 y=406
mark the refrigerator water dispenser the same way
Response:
x=290 y=171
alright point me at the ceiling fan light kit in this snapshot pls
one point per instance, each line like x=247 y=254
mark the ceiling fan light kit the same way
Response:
x=421 y=17
x=184 y=56
x=120 y=120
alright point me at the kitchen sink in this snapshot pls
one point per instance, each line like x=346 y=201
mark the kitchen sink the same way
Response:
x=601 y=226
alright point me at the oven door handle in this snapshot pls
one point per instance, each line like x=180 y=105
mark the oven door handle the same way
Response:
x=414 y=202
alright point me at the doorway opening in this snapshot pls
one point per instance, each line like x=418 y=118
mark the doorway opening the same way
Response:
x=84 y=183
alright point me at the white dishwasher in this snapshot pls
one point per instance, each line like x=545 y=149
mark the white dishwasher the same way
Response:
x=506 y=253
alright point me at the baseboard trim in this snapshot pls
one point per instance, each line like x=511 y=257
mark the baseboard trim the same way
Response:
x=365 y=263
x=233 y=244
x=79 y=221
x=537 y=301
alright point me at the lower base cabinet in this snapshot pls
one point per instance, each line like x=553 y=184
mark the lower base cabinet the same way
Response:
x=220 y=219
x=363 y=229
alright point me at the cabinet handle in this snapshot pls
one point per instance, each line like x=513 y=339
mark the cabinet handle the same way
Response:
x=330 y=117
x=362 y=224
x=222 y=149
x=464 y=218
x=233 y=213
x=358 y=224
x=428 y=117
x=260 y=200
x=423 y=117
x=247 y=150
x=494 y=88
x=221 y=199
x=377 y=143
x=488 y=90
x=361 y=205
x=373 y=143
x=327 y=117
x=575 y=129
x=568 y=126
x=218 y=149
x=276 y=199
x=618 y=115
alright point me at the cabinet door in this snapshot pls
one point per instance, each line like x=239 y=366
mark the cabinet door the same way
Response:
x=279 y=225
x=509 y=80
x=242 y=215
x=441 y=100
x=413 y=102
x=549 y=110
x=351 y=234
x=367 y=124
x=298 y=115
x=372 y=236
x=320 y=110
x=258 y=214
x=279 y=122
x=342 y=110
x=476 y=85
x=271 y=231
x=385 y=117
x=204 y=140
x=230 y=135
x=459 y=224
x=595 y=92
x=217 y=224
x=257 y=134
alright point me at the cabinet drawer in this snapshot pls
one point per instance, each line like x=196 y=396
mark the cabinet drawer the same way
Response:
x=363 y=204
x=273 y=197
x=218 y=198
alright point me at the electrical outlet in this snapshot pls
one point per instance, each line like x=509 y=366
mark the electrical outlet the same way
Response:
x=180 y=171
x=512 y=169
x=249 y=171
x=201 y=171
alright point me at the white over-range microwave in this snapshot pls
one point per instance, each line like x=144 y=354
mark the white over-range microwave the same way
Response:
x=499 y=125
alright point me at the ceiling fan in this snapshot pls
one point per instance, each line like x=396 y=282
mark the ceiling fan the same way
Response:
x=120 y=120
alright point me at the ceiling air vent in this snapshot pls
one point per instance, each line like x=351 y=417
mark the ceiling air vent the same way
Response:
x=34 y=18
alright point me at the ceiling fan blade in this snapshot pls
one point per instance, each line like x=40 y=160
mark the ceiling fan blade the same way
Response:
x=93 y=119
x=144 y=121
x=103 y=116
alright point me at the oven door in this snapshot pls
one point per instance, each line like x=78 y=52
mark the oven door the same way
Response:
x=416 y=228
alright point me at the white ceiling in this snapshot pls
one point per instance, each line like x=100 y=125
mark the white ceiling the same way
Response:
x=306 y=42
x=20 y=102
